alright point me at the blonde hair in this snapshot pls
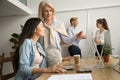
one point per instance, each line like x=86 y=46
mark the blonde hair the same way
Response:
x=41 y=7
x=73 y=19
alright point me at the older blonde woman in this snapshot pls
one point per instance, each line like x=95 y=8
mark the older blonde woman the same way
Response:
x=55 y=32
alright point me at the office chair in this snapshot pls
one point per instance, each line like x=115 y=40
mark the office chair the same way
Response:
x=3 y=60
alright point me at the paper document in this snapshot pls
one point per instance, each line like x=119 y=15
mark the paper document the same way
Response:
x=85 y=76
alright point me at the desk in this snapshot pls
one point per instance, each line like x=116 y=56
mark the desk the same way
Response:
x=106 y=73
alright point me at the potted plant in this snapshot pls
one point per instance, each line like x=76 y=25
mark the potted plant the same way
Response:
x=15 y=38
x=107 y=51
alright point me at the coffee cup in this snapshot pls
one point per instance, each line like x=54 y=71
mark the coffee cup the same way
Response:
x=76 y=59
x=77 y=66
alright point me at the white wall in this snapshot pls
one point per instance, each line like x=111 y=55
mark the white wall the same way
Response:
x=87 y=21
x=112 y=16
x=33 y=4
x=67 y=5
x=8 y=25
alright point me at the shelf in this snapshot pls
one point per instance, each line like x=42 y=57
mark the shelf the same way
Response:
x=13 y=8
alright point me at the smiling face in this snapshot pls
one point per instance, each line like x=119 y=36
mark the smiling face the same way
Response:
x=47 y=13
x=40 y=30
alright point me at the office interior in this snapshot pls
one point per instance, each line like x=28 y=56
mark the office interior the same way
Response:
x=14 y=13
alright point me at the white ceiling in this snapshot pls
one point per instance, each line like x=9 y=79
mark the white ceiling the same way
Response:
x=13 y=8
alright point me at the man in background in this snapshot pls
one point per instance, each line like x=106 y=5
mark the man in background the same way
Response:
x=72 y=31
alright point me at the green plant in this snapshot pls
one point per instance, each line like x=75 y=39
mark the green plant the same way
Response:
x=107 y=50
x=15 y=38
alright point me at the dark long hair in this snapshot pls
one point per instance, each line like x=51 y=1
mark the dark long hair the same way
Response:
x=27 y=32
x=103 y=22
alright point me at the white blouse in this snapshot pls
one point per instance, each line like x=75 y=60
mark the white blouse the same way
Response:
x=100 y=36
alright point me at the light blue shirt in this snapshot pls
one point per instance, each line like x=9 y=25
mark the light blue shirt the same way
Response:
x=26 y=60
x=72 y=31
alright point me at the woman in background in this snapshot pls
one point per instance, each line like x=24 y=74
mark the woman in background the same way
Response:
x=32 y=58
x=55 y=33
x=100 y=34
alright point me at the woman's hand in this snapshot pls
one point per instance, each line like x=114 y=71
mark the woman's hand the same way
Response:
x=97 y=42
x=56 y=68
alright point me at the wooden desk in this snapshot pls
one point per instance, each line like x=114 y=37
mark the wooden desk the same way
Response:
x=106 y=73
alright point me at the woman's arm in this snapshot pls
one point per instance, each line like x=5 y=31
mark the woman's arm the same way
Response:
x=54 y=68
x=24 y=55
